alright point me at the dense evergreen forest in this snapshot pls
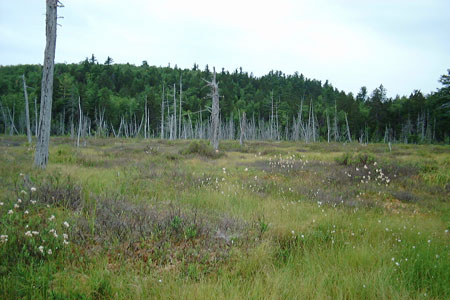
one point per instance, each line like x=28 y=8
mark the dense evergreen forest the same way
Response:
x=110 y=99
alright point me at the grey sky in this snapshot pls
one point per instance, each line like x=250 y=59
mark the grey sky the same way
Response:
x=402 y=44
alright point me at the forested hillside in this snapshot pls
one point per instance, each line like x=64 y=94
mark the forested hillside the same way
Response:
x=114 y=99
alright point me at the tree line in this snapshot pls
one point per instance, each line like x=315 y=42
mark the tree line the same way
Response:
x=91 y=98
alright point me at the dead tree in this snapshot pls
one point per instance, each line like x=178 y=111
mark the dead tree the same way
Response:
x=348 y=129
x=174 y=123
x=79 y=122
x=335 y=129
x=242 y=125
x=27 y=109
x=214 y=111
x=328 y=126
x=43 y=138
x=180 y=108
x=145 y=117
x=36 y=121
x=162 y=114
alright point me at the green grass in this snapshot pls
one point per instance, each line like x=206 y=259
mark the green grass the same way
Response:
x=269 y=220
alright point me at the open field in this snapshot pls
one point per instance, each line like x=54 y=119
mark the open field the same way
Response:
x=158 y=219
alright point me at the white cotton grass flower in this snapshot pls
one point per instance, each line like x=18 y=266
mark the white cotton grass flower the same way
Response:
x=26 y=212
x=33 y=189
x=19 y=200
x=28 y=233
x=10 y=212
x=66 y=224
x=41 y=249
x=1 y=203
x=3 y=238
x=246 y=170
x=35 y=232
x=52 y=217
x=65 y=242
x=23 y=192
x=65 y=236
x=33 y=201
x=16 y=205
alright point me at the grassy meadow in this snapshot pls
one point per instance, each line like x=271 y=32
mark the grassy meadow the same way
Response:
x=159 y=219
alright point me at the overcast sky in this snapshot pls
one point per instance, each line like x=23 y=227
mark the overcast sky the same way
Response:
x=402 y=44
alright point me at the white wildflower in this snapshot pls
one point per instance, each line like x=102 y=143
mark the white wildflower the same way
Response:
x=19 y=200
x=33 y=201
x=65 y=236
x=10 y=212
x=23 y=192
x=16 y=205
x=35 y=232
x=41 y=249
x=52 y=217
x=26 y=212
x=65 y=242
x=33 y=189
x=246 y=169
x=1 y=203
x=28 y=233
x=49 y=252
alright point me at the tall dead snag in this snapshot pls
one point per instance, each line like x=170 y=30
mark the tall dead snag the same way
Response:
x=348 y=129
x=243 y=123
x=214 y=111
x=162 y=114
x=27 y=109
x=43 y=138
x=180 y=108
x=79 y=122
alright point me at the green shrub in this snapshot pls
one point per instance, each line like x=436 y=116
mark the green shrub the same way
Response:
x=201 y=149
x=359 y=159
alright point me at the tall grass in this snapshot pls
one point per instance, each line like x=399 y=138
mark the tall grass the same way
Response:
x=156 y=220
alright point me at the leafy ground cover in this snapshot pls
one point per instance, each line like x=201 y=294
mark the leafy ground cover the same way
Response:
x=145 y=219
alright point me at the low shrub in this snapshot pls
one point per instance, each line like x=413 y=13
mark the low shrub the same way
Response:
x=359 y=159
x=201 y=149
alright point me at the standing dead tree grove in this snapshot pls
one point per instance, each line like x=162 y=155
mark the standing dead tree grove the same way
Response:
x=43 y=137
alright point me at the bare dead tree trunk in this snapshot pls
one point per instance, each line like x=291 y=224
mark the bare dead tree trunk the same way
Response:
x=174 y=123
x=80 y=121
x=328 y=127
x=336 y=132
x=27 y=109
x=43 y=138
x=348 y=129
x=243 y=125
x=162 y=114
x=271 y=119
x=36 y=121
x=145 y=117
x=180 y=108
x=215 y=111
